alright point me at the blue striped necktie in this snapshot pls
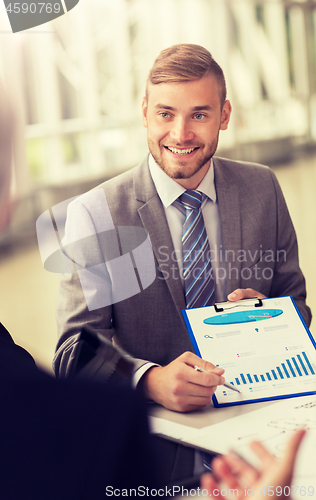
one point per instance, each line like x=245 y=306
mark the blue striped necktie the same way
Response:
x=199 y=285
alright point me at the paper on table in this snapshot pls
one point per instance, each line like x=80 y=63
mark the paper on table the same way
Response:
x=173 y=430
x=272 y=425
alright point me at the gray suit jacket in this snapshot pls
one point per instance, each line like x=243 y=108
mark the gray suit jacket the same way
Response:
x=259 y=252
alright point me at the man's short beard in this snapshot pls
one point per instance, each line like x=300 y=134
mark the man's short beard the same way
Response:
x=182 y=172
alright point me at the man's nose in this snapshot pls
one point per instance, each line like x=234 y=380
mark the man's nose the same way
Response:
x=181 y=131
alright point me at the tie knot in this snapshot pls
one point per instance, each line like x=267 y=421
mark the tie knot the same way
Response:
x=191 y=200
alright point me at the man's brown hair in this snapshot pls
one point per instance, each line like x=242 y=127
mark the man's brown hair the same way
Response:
x=183 y=63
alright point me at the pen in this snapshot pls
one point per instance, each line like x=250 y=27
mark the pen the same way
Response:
x=229 y=386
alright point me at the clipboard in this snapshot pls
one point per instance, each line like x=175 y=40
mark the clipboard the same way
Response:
x=226 y=306
x=264 y=346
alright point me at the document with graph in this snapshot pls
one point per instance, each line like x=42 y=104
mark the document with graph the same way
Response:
x=265 y=348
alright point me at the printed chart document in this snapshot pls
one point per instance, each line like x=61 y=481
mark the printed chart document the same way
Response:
x=273 y=425
x=267 y=352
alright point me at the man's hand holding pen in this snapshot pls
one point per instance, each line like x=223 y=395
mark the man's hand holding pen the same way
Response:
x=179 y=387
x=227 y=384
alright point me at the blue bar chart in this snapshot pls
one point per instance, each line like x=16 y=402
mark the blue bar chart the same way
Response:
x=291 y=367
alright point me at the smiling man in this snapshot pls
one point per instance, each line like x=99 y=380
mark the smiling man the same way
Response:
x=219 y=230
x=183 y=121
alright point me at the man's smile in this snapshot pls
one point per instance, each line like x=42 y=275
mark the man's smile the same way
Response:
x=179 y=151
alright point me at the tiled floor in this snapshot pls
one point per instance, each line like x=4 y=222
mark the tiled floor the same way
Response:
x=28 y=293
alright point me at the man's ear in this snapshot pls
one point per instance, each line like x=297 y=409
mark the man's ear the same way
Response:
x=226 y=112
x=144 y=111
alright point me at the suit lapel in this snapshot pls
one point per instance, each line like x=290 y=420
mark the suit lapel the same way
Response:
x=153 y=218
x=229 y=209
x=154 y=221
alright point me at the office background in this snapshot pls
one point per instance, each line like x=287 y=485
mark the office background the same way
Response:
x=75 y=87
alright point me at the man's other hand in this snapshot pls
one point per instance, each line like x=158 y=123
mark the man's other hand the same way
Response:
x=244 y=293
x=179 y=387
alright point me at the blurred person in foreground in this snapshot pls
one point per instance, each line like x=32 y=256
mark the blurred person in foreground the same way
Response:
x=244 y=244
x=63 y=440
x=272 y=479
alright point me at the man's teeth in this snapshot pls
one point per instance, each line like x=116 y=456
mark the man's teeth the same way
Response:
x=181 y=151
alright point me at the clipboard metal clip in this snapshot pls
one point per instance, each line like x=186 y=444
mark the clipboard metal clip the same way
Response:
x=223 y=306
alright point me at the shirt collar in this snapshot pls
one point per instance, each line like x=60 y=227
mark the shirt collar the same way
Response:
x=169 y=190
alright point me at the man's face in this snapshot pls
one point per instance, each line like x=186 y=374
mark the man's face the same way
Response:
x=183 y=121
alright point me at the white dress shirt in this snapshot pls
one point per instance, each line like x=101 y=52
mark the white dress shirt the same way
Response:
x=168 y=191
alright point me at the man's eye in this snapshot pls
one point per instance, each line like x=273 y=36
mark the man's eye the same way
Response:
x=199 y=116
x=164 y=115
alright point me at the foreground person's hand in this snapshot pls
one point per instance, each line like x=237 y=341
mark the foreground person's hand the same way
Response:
x=232 y=472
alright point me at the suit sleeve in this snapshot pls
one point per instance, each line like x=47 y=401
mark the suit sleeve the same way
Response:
x=86 y=288
x=288 y=278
